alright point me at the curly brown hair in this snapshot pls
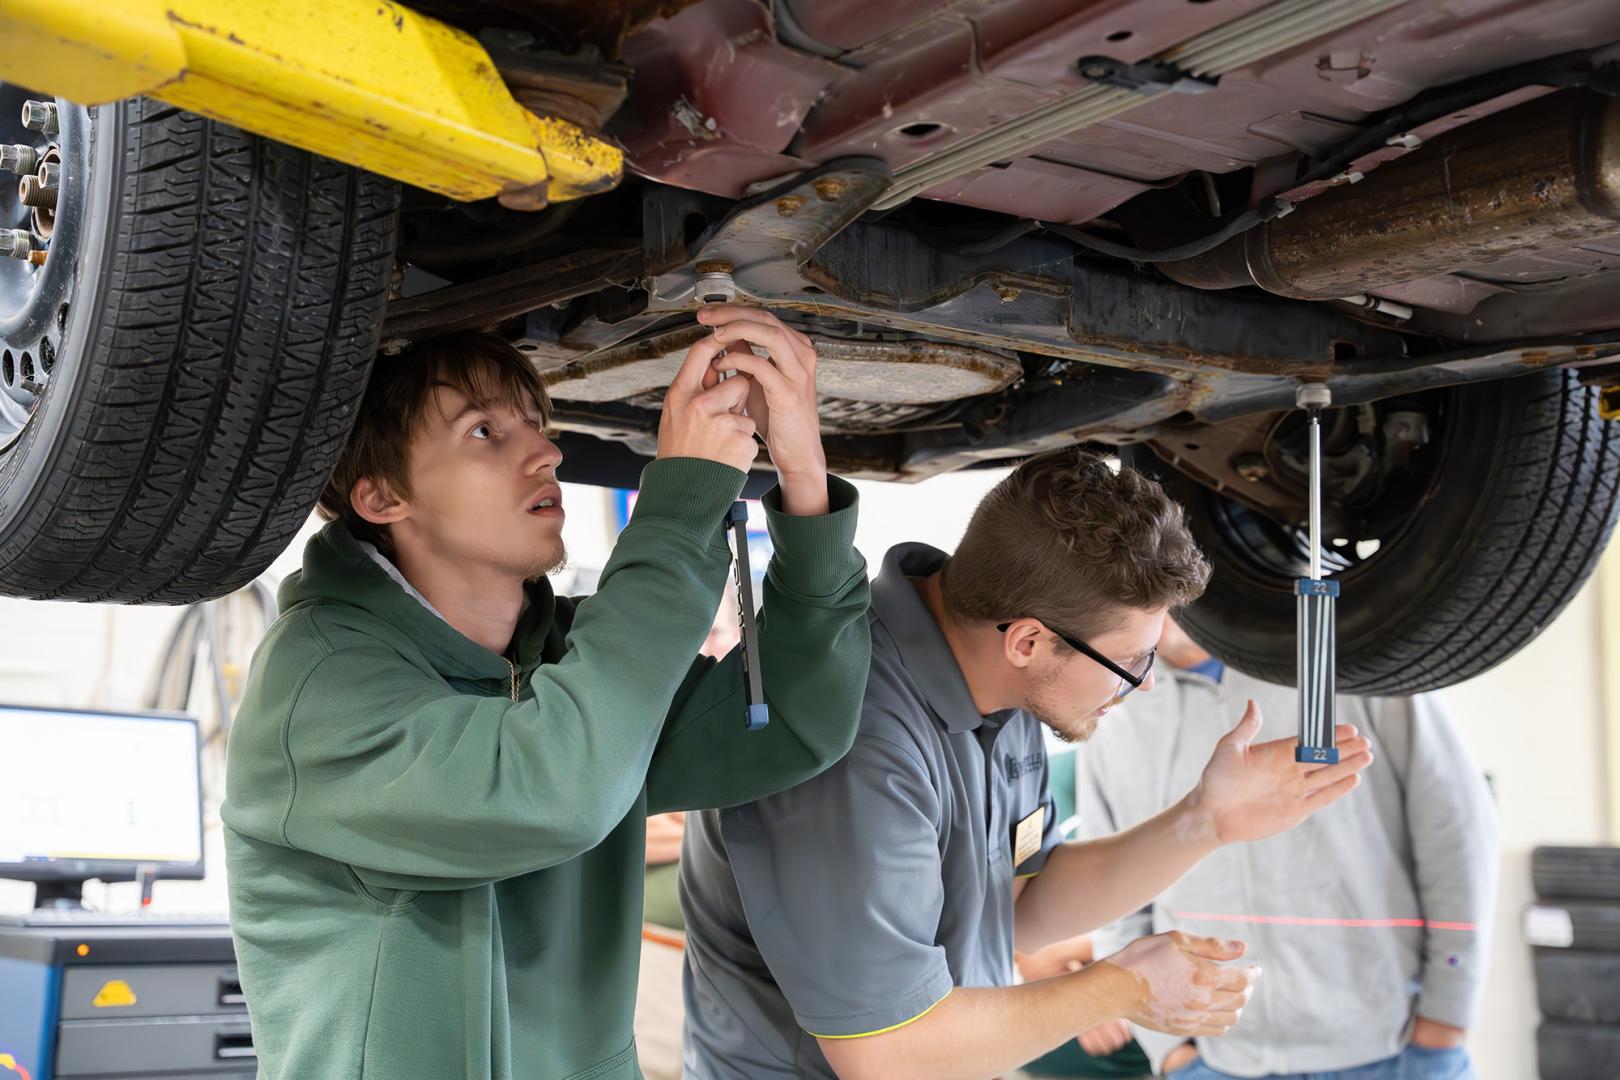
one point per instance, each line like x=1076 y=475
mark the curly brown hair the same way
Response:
x=1070 y=541
x=487 y=369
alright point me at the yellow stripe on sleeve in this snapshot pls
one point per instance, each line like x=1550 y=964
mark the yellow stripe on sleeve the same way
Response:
x=891 y=1027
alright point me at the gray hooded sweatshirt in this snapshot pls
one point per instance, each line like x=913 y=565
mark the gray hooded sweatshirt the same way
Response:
x=1375 y=909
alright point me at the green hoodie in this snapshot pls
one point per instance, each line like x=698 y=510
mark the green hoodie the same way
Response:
x=435 y=854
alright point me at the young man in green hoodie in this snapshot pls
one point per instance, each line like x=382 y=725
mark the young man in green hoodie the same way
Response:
x=440 y=774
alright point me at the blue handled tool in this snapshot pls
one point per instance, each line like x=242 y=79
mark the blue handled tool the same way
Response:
x=1317 y=643
x=759 y=714
x=715 y=286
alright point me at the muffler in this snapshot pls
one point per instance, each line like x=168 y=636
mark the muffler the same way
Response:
x=1543 y=175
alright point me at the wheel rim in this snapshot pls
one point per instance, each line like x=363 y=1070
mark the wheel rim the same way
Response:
x=1272 y=553
x=34 y=296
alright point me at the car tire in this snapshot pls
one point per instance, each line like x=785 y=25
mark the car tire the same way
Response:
x=1578 y=984
x=1523 y=496
x=213 y=304
x=1568 y=1051
x=1576 y=872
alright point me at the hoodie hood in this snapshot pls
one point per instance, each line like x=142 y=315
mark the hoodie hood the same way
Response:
x=338 y=570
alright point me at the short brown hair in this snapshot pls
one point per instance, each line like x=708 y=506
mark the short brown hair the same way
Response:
x=489 y=370
x=1069 y=541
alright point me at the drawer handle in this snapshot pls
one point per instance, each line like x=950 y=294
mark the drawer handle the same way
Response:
x=230 y=992
x=233 y=1047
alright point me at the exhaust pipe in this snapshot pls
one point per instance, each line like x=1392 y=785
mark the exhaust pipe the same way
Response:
x=1545 y=174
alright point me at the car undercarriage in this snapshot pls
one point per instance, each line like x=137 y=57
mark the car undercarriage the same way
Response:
x=1134 y=225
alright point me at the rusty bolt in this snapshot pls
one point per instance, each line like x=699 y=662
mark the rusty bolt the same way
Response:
x=50 y=175
x=788 y=205
x=35 y=194
x=1252 y=467
x=18 y=158
x=1007 y=293
x=16 y=243
x=40 y=116
x=830 y=188
x=37 y=257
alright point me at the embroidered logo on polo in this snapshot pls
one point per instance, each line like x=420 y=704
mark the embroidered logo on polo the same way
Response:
x=1023 y=766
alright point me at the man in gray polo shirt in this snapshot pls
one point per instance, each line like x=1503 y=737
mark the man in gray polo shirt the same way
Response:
x=863 y=924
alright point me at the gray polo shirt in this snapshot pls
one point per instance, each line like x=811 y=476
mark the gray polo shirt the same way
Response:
x=853 y=903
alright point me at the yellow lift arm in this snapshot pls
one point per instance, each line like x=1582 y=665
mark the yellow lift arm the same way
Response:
x=366 y=82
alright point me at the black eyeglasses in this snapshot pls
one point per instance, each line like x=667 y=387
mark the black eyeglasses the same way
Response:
x=1128 y=680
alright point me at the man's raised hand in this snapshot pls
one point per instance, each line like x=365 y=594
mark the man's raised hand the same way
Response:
x=703 y=417
x=1250 y=792
x=782 y=399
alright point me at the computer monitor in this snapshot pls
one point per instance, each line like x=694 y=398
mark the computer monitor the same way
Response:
x=102 y=795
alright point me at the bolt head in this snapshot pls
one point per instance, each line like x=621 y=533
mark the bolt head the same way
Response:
x=35 y=194
x=1313 y=396
x=830 y=188
x=716 y=287
x=18 y=158
x=1252 y=467
x=50 y=174
x=40 y=116
x=1095 y=71
x=16 y=243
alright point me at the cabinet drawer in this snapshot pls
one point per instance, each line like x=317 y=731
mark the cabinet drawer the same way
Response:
x=194 y=1044
x=157 y=989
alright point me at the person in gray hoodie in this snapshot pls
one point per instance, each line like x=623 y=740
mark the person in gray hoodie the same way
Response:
x=1371 y=919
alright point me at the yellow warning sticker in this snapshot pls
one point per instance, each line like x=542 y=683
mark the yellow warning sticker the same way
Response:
x=114 y=994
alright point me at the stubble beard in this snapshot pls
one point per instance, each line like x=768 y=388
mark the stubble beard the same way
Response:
x=1038 y=704
x=546 y=563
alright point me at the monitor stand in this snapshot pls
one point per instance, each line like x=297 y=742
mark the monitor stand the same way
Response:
x=58 y=896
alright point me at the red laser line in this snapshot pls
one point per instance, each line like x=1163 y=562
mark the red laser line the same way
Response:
x=1305 y=920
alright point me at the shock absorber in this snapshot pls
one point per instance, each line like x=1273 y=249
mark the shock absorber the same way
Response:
x=1316 y=597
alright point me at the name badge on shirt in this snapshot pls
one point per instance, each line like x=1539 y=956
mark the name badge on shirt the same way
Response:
x=1027 y=837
